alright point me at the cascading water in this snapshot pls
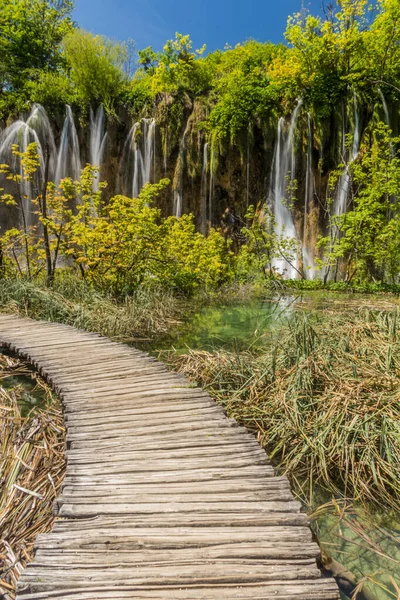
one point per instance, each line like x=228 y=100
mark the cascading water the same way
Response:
x=141 y=143
x=36 y=129
x=283 y=167
x=211 y=193
x=344 y=180
x=178 y=178
x=385 y=108
x=98 y=137
x=165 y=154
x=68 y=159
x=204 y=188
x=308 y=261
x=39 y=122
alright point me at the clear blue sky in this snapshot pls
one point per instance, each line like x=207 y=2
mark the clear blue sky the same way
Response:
x=213 y=22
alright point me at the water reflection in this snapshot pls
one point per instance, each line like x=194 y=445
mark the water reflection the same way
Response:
x=233 y=327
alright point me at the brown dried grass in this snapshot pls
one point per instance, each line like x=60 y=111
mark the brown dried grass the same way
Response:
x=32 y=457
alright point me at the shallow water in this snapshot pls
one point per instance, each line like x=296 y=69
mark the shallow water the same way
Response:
x=238 y=326
x=232 y=326
x=366 y=544
x=32 y=396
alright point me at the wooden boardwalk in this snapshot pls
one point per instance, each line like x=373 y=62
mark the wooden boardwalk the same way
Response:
x=164 y=496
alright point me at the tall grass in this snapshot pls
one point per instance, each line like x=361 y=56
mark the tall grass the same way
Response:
x=149 y=311
x=323 y=397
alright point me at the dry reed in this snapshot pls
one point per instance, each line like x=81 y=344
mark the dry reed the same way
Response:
x=323 y=397
x=32 y=466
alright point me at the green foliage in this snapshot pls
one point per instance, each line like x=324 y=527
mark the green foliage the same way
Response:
x=52 y=90
x=263 y=245
x=327 y=55
x=177 y=68
x=192 y=260
x=242 y=88
x=365 y=240
x=116 y=246
x=125 y=244
x=31 y=32
x=95 y=68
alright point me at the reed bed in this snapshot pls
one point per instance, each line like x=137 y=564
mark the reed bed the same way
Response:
x=148 y=312
x=32 y=466
x=323 y=396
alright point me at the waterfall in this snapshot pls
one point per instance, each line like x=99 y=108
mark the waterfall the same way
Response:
x=283 y=167
x=141 y=142
x=385 y=108
x=98 y=138
x=211 y=193
x=308 y=261
x=178 y=178
x=68 y=159
x=387 y=119
x=36 y=129
x=39 y=122
x=344 y=180
x=204 y=189
x=248 y=172
x=165 y=154
x=137 y=159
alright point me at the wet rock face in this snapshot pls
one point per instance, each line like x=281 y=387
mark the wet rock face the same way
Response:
x=207 y=177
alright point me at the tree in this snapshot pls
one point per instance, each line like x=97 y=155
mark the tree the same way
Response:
x=36 y=246
x=96 y=68
x=177 y=68
x=31 y=32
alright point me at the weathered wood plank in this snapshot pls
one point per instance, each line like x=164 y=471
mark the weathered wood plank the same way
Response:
x=164 y=496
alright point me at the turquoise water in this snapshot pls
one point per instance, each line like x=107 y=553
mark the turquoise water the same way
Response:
x=366 y=544
x=232 y=326
x=237 y=326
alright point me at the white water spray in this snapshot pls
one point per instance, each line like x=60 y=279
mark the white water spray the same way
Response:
x=141 y=142
x=36 y=129
x=385 y=108
x=283 y=168
x=98 y=137
x=68 y=159
x=178 y=179
x=308 y=261
x=344 y=180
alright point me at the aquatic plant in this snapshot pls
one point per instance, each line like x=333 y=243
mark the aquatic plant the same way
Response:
x=359 y=548
x=323 y=398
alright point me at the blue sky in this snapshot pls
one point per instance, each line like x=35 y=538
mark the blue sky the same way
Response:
x=213 y=22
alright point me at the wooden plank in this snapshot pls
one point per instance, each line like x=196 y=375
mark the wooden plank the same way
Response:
x=164 y=496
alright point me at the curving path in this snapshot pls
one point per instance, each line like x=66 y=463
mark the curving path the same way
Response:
x=164 y=496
